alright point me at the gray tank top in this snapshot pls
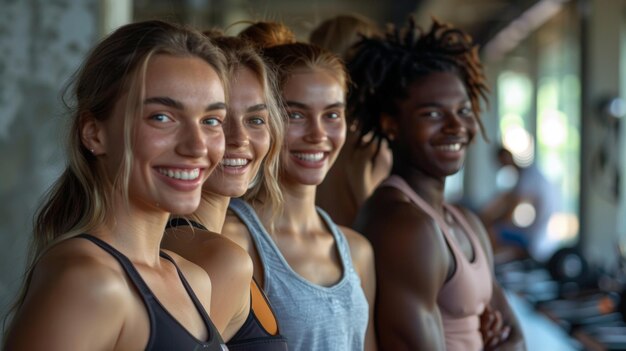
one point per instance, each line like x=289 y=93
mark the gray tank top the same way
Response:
x=312 y=317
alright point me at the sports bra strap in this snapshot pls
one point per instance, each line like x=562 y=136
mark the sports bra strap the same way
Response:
x=262 y=309
x=123 y=260
x=181 y=221
x=138 y=280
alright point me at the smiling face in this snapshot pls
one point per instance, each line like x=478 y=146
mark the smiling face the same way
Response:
x=315 y=104
x=247 y=136
x=178 y=139
x=433 y=126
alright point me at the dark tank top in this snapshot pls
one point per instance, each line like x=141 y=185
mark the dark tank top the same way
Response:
x=166 y=333
x=252 y=336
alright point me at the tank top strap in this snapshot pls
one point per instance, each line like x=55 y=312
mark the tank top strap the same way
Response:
x=189 y=290
x=128 y=266
x=181 y=222
x=479 y=253
x=267 y=250
x=400 y=184
x=165 y=330
x=342 y=243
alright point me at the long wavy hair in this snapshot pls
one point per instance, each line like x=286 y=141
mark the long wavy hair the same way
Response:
x=81 y=199
x=241 y=54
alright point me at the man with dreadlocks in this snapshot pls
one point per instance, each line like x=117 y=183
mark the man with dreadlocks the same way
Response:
x=421 y=91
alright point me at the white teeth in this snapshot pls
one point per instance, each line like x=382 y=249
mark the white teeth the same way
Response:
x=234 y=162
x=309 y=157
x=449 y=147
x=183 y=174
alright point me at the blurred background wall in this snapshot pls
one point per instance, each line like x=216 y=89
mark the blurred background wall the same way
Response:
x=41 y=44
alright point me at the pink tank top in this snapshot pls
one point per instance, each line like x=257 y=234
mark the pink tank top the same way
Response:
x=464 y=296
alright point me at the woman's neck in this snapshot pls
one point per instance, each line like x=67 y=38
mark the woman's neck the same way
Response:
x=299 y=214
x=212 y=211
x=135 y=231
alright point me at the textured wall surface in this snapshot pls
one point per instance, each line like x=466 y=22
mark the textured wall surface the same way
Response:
x=42 y=42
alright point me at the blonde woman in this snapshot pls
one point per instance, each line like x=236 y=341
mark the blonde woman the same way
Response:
x=145 y=135
x=253 y=131
x=318 y=276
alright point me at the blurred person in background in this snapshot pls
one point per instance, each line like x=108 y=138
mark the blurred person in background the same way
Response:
x=362 y=164
x=517 y=218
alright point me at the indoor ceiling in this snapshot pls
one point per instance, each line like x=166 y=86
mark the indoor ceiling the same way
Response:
x=481 y=18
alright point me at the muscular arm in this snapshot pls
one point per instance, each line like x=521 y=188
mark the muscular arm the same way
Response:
x=363 y=261
x=411 y=267
x=73 y=303
x=515 y=340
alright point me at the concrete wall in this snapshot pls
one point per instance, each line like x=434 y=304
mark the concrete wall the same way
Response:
x=42 y=42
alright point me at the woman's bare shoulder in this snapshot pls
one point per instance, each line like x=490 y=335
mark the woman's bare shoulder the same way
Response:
x=79 y=261
x=237 y=231
x=216 y=255
x=360 y=248
x=204 y=248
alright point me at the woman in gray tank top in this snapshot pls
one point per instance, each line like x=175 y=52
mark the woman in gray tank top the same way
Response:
x=318 y=276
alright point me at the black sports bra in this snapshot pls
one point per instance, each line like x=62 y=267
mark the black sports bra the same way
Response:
x=166 y=333
x=252 y=336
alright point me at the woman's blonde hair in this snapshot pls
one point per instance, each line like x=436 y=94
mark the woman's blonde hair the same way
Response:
x=241 y=54
x=82 y=197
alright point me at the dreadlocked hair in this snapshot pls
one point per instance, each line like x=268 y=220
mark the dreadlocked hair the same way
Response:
x=382 y=69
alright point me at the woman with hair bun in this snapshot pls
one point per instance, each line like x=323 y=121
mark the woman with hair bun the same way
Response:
x=420 y=91
x=145 y=134
x=265 y=34
x=318 y=276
